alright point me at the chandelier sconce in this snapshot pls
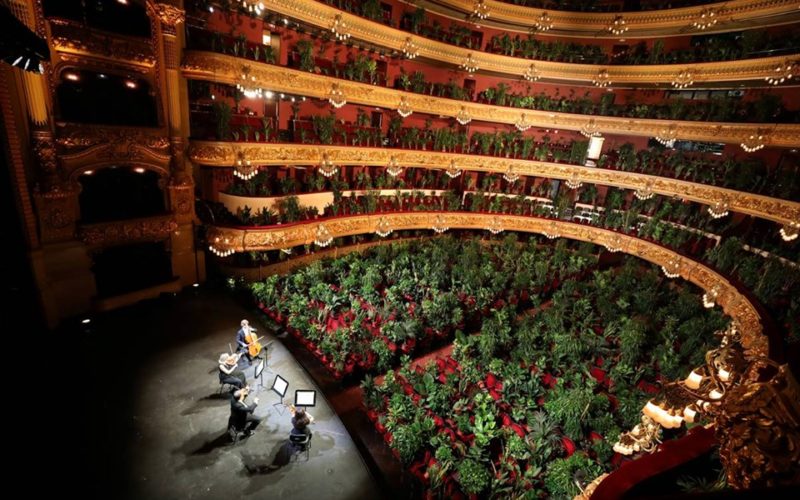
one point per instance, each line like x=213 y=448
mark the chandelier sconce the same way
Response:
x=706 y=19
x=393 y=168
x=551 y=232
x=602 y=79
x=668 y=135
x=383 y=228
x=783 y=72
x=573 y=182
x=531 y=74
x=590 y=129
x=410 y=49
x=617 y=26
x=252 y=8
x=790 y=231
x=453 y=171
x=719 y=209
x=522 y=123
x=326 y=166
x=463 y=117
x=509 y=175
x=469 y=64
x=543 y=23
x=404 y=108
x=339 y=28
x=247 y=85
x=615 y=244
x=336 y=96
x=672 y=268
x=710 y=298
x=644 y=437
x=221 y=247
x=322 y=237
x=495 y=226
x=645 y=193
x=480 y=11
x=754 y=142
x=683 y=79
x=439 y=224
x=243 y=168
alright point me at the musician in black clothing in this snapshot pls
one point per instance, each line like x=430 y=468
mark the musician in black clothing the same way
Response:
x=242 y=417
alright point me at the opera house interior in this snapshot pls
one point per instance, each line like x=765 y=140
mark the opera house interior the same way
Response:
x=439 y=249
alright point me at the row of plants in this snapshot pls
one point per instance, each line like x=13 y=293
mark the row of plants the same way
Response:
x=518 y=408
x=361 y=311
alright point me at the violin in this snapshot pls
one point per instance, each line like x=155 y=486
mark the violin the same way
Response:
x=253 y=344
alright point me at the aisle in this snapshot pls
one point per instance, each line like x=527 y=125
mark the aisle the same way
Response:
x=164 y=436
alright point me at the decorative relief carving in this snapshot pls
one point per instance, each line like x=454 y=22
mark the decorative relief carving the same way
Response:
x=170 y=15
x=224 y=154
x=44 y=149
x=283 y=236
x=227 y=69
x=57 y=211
x=128 y=231
x=319 y=14
x=80 y=41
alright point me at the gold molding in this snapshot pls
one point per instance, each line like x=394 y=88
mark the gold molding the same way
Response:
x=82 y=42
x=304 y=233
x=127 y=231
x=321 y=15
x=220 y=68
x=224 y=154
x=734 y=14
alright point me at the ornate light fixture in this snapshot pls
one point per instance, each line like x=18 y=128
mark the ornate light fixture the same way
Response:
x=602 y=79
x=495 y=226
x=453 y=171
x=683 y=79
x=531 y=74
x=393 y=168
x=617 y=26
x=404 y=109
x=339 y=28
x=646 y=192
x=522 y=123
x=790 y=231
x=463 y=117
x=551 y=232
x=252 y=7
x=706 y=19
x=590 y=129
x=480 y=10
x=644 y=437
x=221 y=247
x=710 y=298
x=672 y=268
x=754 y=142
x=667 y=135
x=323 y=237
x=336 y=96
x=614 y=245
x=509 y=175
x=242 y=168
x=383 y=228
x=469 y=64
x=247 y=85
x=782 y=73
x=544 y=22
x=326 y=166
x=439 y=224
x=573 y=182
x=719 y=209
x=410 y=49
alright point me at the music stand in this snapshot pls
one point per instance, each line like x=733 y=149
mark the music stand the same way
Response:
x=305 y=398
x=279 y=387
x=259 y=372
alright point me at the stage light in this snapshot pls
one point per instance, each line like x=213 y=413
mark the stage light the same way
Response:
x=131 y=84
x=86 y=321
x=196 y=285
x=138 y=170
x=73 y=77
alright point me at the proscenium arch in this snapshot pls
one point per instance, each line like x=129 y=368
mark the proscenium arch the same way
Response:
x=732 y=301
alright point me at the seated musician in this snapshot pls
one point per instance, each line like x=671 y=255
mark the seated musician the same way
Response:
x=247 y=342
x=300 y=421
x=242 y=417
x=229 y=372
x=241 y=344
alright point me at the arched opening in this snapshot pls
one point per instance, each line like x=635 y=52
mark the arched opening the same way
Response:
x=123 y=17
x=117 y=193
x=91 y=97
x=123 y=269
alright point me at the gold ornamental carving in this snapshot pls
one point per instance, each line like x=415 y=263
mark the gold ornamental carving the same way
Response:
x=221 y=68
x=80 y=41
x=169 y=14
x=303 y=233
x=57 y=212
x=735 y=14
x=128 y=231
x=319 y=14
x=224 y=154
x=44 y=150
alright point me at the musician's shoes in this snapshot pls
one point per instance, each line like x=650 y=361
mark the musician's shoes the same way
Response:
x=247 y=433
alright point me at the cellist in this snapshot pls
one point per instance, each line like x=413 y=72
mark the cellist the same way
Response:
x=247 y=342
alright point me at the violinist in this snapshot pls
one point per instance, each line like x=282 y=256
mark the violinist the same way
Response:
x=229 y=372
x=300 y=420
x=242 y=417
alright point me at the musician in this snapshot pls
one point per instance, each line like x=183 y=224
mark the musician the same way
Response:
x=242 y=417
x=229 y=372
x=247 y=342
x=300 y=421
x=241 y=343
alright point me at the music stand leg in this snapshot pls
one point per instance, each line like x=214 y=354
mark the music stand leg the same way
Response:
x=280 y=406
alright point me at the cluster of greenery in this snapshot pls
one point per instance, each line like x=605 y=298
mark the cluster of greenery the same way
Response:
x=602 y=6
x=395 y=298
x=599 y=339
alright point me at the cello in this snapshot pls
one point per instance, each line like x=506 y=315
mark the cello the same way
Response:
x=253 y=344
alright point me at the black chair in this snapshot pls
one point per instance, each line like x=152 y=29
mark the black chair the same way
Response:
x=301 y=443
x=222 y=385
x=234 y=432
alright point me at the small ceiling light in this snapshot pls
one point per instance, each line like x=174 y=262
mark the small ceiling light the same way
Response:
x=469 y=64
x=139 y=170
x=73 y=77
x=131 y=84
x=86 y=321
x=404 y=109
x=123 y=2
x=544 y=22
x=531 y=74
x=88 y=172
x=102 y=76
x=617 y=26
